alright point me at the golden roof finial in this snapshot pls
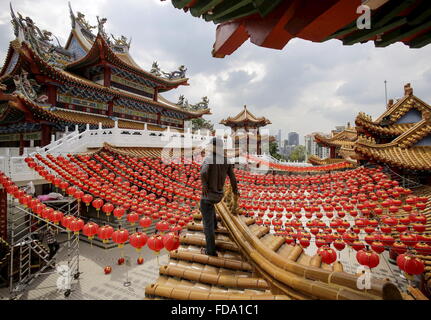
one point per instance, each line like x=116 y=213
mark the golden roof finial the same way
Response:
x=408 y=90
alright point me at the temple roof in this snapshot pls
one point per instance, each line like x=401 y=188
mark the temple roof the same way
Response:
x=101 y=50
x=404 y=151
x=29 y=55
x=273 y=24
x=84 y=48
x=345 y=138
x=314 y=160
x=47 y=113
x=389 y=122
x=243 y=118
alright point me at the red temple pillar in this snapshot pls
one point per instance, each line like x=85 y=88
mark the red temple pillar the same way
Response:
x=110 y=108
x=107 y=76
x=156 y=94
x=52 y=94
x=332 y=152
x=159 y=117
x=21 y=144
x=45 y=135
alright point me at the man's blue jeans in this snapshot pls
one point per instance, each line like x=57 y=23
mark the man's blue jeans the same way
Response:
x=210 y=222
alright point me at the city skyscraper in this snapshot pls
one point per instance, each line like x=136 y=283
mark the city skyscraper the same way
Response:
x=293 y=138
x=314 y=148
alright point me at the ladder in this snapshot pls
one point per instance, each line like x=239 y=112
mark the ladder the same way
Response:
x=25 y=227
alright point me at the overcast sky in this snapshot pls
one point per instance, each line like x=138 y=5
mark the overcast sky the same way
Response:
x=305 y=87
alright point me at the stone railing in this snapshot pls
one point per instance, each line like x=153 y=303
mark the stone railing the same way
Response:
x=76 y=142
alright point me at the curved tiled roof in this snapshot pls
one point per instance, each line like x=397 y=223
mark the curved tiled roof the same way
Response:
x=402 y=151
x=315 y=160
x=364 y=122
x=386 y=124
x=244 y=117
x=62 y=75
x=101 y=48
x=77 y=117
x=345 y=138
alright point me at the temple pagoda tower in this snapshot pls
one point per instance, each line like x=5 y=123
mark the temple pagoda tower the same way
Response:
x=47 y=88
x=246 y=125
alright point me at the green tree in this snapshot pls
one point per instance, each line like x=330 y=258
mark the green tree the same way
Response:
x=273 y=150
x=298 y=154
x=201 y=123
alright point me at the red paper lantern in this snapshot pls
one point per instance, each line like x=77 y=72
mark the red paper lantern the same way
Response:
x=97 y=203
x=107 y=270
x=423 y=248
x=119 y=212
x=132 y=218
x=162 y=226
x=107 y=208
x=155 y=243
x=86 y=198
x=357 y=245
x=368 y=258
x=120 y=236
x=410 y=264
x=378 y=246
x=339 y=244
x=65 y=221
x=90 y=230
x=76 y=225
x=138 y=240
x=304 y=242
x=328 y=255
x=399 y=247
x=105 y=233
x=171 y=241
x=56 y=217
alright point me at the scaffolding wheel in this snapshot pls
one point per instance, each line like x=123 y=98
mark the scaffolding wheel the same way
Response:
x=67 y=293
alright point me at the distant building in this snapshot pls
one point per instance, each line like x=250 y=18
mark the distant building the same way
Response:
x=314 y=148
x=279 y=141
x=293 y=138
x=246 y=131
x=287 y=150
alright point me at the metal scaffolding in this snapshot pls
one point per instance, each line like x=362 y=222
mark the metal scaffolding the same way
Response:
x=26 y=231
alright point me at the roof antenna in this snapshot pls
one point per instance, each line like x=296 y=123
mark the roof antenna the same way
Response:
x=386 y=93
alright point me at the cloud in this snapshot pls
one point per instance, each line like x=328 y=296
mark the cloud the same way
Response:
x=305 y=87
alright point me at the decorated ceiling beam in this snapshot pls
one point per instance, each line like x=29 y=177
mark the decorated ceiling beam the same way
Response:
x=273 y=23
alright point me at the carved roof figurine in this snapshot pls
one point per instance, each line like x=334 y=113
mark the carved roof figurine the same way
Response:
x=179 y=74
x=101 y=27
x=201 y=105
x=182 y=102
x=245 y=118
x=155 y=69
x=121 y=42
x=84 y=23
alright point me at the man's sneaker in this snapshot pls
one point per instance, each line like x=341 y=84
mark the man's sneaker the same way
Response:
x=204 y=251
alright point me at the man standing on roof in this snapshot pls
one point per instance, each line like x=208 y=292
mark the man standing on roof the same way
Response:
x=214 y=170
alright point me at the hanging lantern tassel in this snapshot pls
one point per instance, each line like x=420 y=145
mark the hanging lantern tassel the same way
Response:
x=157 y=256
